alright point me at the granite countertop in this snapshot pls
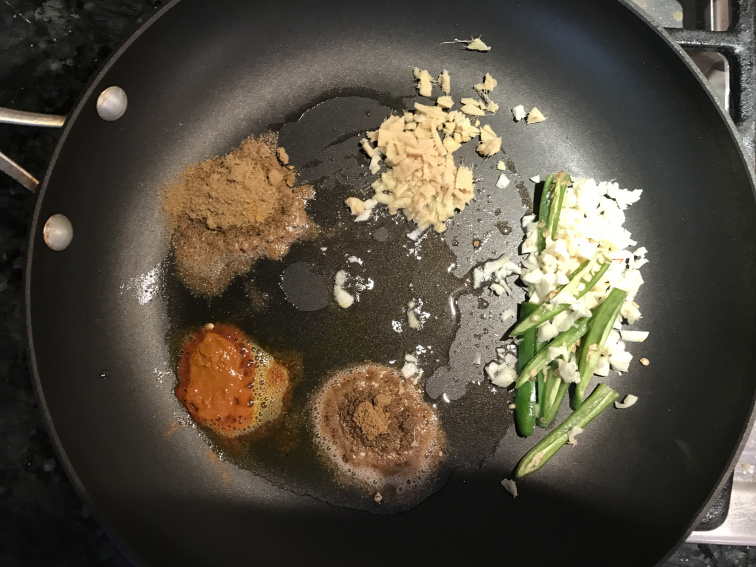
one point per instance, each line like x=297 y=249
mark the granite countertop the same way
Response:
x=48 y=51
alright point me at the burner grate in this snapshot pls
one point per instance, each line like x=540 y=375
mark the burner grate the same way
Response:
x=738 y=45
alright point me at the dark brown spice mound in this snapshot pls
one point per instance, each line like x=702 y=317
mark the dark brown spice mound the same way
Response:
x=227 y=212
x=371 y=419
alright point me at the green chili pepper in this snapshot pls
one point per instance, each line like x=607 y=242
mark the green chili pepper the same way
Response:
x=590 y=349
x=540 y=388
x=526 y=409
x=566 y=339
x=561 y=181
x=546 y=311
x=543 y=211
x=597 y=402
x=555 y=397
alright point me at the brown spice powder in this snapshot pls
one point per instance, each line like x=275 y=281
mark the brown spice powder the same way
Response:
x=227 y=212
x=371 y=418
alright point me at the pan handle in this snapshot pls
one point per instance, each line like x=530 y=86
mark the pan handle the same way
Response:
x=11 y=168
x=20 y=117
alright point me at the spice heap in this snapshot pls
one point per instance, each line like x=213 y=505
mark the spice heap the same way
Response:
x=376 y=428
x=228 y=383
x=227 y=212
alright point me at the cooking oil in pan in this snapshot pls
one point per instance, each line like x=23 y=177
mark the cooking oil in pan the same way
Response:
x=283 y=307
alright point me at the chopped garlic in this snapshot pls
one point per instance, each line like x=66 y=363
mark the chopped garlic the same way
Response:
x=415 y=234
x=602 y=368
x=409 y=369
x=634 y=336
x=477 y=45
x=412 y=320
x=492 y=107
x=498 y=289
x=510 y=486
x=360 y=209
x=568 y=371
x=536 y=179
x=627 y=402
x=535 y=116
x=342 y=296
x=445 y=81
x=590 y=226
x=500 y=374
x=620 y=361
x=630 y=312
x=445 y=101
x=365 y=215
x=507 y=314
x=501 y=166
x=503 y=182
x=519 y=112
x=355 y=205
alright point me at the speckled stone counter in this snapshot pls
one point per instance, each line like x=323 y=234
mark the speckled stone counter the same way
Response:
x=48 y=51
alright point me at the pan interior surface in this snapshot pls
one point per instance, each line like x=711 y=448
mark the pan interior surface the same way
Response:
x=104 y=315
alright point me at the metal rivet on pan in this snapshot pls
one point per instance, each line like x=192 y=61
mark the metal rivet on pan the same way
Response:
x=111 y=104
x=58 y=232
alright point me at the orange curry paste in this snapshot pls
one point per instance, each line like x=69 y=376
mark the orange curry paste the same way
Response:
x=228 y=383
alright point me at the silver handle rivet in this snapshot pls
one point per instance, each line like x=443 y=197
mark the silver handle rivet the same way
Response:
x=111 y=104
x=58 y=232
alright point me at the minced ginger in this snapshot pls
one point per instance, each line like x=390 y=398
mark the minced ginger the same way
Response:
x=478 y=45
x=475 y=44
x=445 y=81
x=422 y=180
x=488 y=84
x=535 y=116
x=424 y=82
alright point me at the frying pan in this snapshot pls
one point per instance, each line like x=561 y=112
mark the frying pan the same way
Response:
x=200 y=77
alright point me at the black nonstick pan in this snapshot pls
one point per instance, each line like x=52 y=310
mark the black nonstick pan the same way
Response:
x=105 y=314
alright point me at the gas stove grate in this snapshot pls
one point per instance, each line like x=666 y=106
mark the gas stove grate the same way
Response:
x=738 y=45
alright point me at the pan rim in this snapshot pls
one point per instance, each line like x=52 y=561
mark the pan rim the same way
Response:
x=87 y=96
x=751 y=168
